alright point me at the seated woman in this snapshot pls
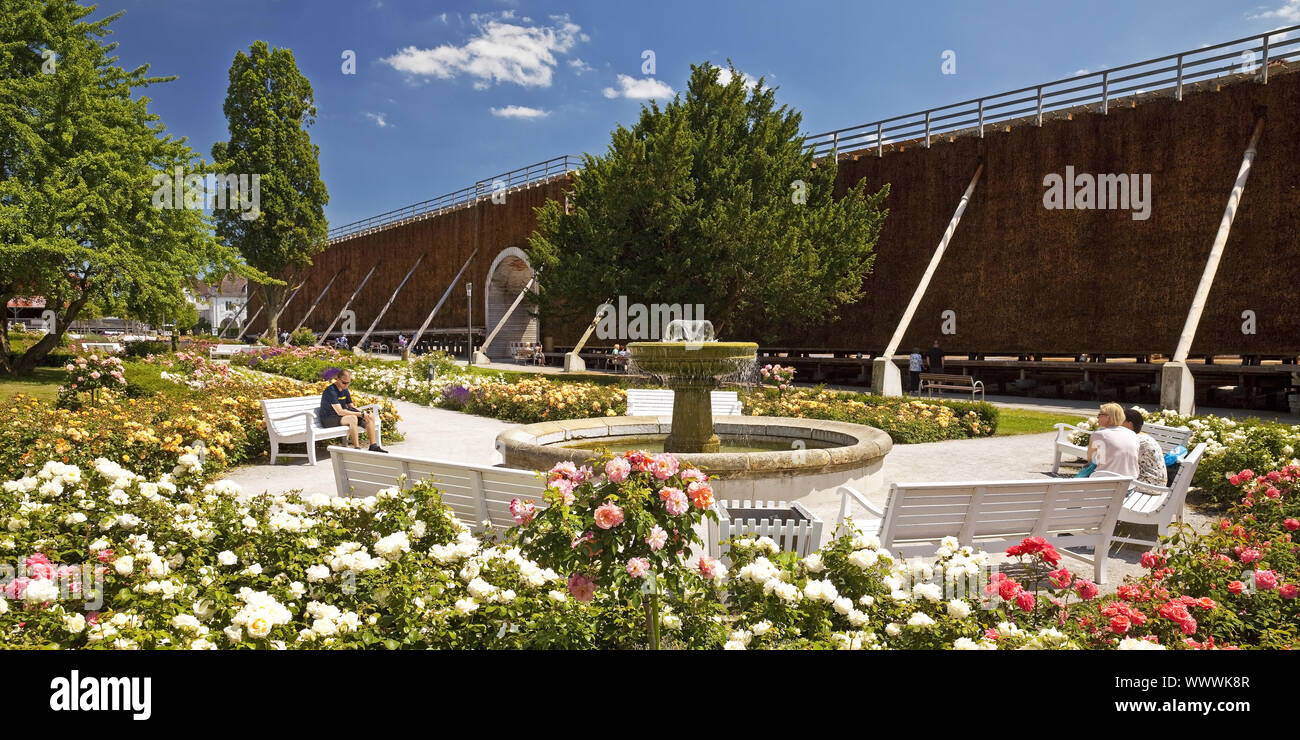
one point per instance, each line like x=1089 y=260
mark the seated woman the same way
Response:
x=1151 y=458
x=1113 y=446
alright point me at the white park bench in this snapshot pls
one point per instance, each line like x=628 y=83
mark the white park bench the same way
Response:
x=109 y=347
x=1168 y=437
x=659 y=402
x=474 y=493
x=1148 y=503
x=227 y=351
x=994 y=515
x=297 y=421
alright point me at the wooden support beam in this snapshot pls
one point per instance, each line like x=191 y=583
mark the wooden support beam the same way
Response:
x=343 y=310
x=316 y=302
x=362 y=341
x=518 y=299
x=429 y=319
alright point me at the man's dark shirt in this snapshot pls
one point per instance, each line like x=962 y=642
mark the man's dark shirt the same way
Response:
x=936 y=360
x=331 y=396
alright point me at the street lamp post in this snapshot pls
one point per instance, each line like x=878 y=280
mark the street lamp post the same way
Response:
x=469 y=325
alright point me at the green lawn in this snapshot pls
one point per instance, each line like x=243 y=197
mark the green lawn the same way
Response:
x=42 y=383
x=1024 y=421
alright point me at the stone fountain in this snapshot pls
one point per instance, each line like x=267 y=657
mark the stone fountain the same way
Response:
x=755 y=458
x=692 y=362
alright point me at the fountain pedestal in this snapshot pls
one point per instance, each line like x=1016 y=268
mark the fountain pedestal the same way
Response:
x=694 y=432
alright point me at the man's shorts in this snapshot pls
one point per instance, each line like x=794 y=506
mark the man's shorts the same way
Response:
x=331 y=420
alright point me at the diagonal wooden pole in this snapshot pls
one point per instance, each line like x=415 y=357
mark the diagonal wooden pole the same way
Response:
x=481 y=354
x=362 y=341
x=885 y=379
x=316 y=302
x=428 y=319
x=352 y=298
x=1177 y=389
x=275 y=318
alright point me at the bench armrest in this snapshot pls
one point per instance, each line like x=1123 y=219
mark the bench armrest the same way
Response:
x=848 y=495
x=1063 y=431
x=1150 y=488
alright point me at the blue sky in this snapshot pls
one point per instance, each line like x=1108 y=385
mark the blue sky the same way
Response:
x=447 y=93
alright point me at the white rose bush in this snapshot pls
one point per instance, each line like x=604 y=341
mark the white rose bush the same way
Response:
x=104 y=558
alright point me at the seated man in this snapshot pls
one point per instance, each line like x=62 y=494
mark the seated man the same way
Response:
x=1151 y=459
x=336 y=409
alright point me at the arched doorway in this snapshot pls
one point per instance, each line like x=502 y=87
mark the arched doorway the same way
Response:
x=509 y=274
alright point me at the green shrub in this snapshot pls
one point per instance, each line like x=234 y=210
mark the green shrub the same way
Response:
x=146 y=347
x=302 y=337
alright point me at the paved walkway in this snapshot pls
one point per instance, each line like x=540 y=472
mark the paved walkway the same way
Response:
x=462 y=437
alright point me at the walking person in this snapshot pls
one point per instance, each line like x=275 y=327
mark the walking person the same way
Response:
x=915 y=363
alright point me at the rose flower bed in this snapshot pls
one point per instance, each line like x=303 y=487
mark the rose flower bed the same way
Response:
x=111 y=559
x=156 y=419
x=906 y=421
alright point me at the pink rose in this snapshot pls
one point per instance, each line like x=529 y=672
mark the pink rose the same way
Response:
x=522 y=512
x=1288 y=591
x=581 y=587
x=609 y=515
x=564 y=469
x=694 y=474
x=1291 y=524
x=638 y=567
x=617 y=470
x=664 y=466
x=564 y=488
x=677 y=504
x=657 y=539
x=1265 y=580
x=1086 y=589
x=706 y=566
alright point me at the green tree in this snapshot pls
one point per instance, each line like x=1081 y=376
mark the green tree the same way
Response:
x=269 y=106
x=78 y=157
x=711 y=199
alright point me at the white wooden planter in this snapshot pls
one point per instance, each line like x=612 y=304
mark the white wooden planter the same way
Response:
x=792 y=526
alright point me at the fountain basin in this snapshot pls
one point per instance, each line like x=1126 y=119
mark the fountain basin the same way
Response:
x=818 y=455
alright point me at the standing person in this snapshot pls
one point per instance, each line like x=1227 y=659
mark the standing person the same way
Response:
x=936 y=358
x=1151 y=458
x=915 y=363
x=1113 y=446
x=336 y=409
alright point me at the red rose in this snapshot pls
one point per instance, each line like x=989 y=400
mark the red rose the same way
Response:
x=1119 y=624
x=1288 y=591
x=1291 y=524
x=1236 y=587
x=1008 y=589
x=1025 y=601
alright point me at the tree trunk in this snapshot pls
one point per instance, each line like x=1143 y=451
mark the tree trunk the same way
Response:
x=274 y=296
x=30 y=359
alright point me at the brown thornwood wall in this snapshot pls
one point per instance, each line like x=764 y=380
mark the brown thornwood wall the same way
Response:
x=447 y=241
x=1019 y=277
x=1025 y=279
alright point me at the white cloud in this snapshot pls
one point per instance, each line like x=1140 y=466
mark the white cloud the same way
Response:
x=497 y=52
x=579 y=66
x=631 y=87
x=724 y=79
x=520 y=111
x=443 y=18
x=1290 y=11
x=378 y=118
